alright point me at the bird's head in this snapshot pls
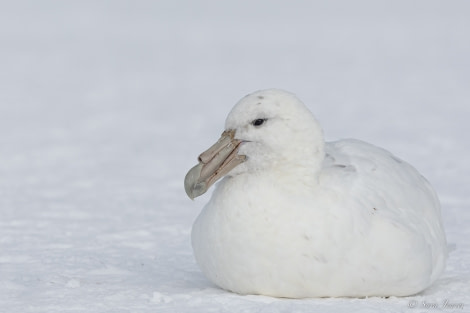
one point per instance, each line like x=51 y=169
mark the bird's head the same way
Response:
x=266 y=130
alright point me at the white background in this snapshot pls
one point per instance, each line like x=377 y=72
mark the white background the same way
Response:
x=105 y=105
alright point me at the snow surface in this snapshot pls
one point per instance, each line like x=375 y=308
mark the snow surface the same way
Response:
x=105 y=105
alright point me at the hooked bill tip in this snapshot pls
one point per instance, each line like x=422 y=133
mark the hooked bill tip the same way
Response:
x=192 y=186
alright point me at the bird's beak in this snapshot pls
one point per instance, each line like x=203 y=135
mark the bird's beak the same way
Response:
x=214 y=163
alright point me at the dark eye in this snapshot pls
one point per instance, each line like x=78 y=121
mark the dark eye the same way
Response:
x=258 y=122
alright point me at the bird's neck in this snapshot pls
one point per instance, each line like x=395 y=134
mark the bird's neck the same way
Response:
x=304 y=170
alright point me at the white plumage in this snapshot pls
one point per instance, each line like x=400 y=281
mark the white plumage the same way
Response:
x=304 y=218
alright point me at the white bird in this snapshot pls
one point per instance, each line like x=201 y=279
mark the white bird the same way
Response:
x=297 y=217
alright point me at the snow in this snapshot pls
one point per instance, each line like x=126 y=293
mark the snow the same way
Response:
x=104 y=106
